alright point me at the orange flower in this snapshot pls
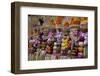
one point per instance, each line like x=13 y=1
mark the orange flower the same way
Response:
x=66 y=24
x=75 y=21
x=58 y=20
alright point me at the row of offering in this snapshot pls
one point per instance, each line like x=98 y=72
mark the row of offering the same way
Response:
x=57 y=42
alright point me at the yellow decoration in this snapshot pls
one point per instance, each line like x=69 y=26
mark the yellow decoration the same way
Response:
x=64 y=44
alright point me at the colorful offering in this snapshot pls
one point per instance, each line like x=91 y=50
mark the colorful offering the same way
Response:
x=57 y=37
